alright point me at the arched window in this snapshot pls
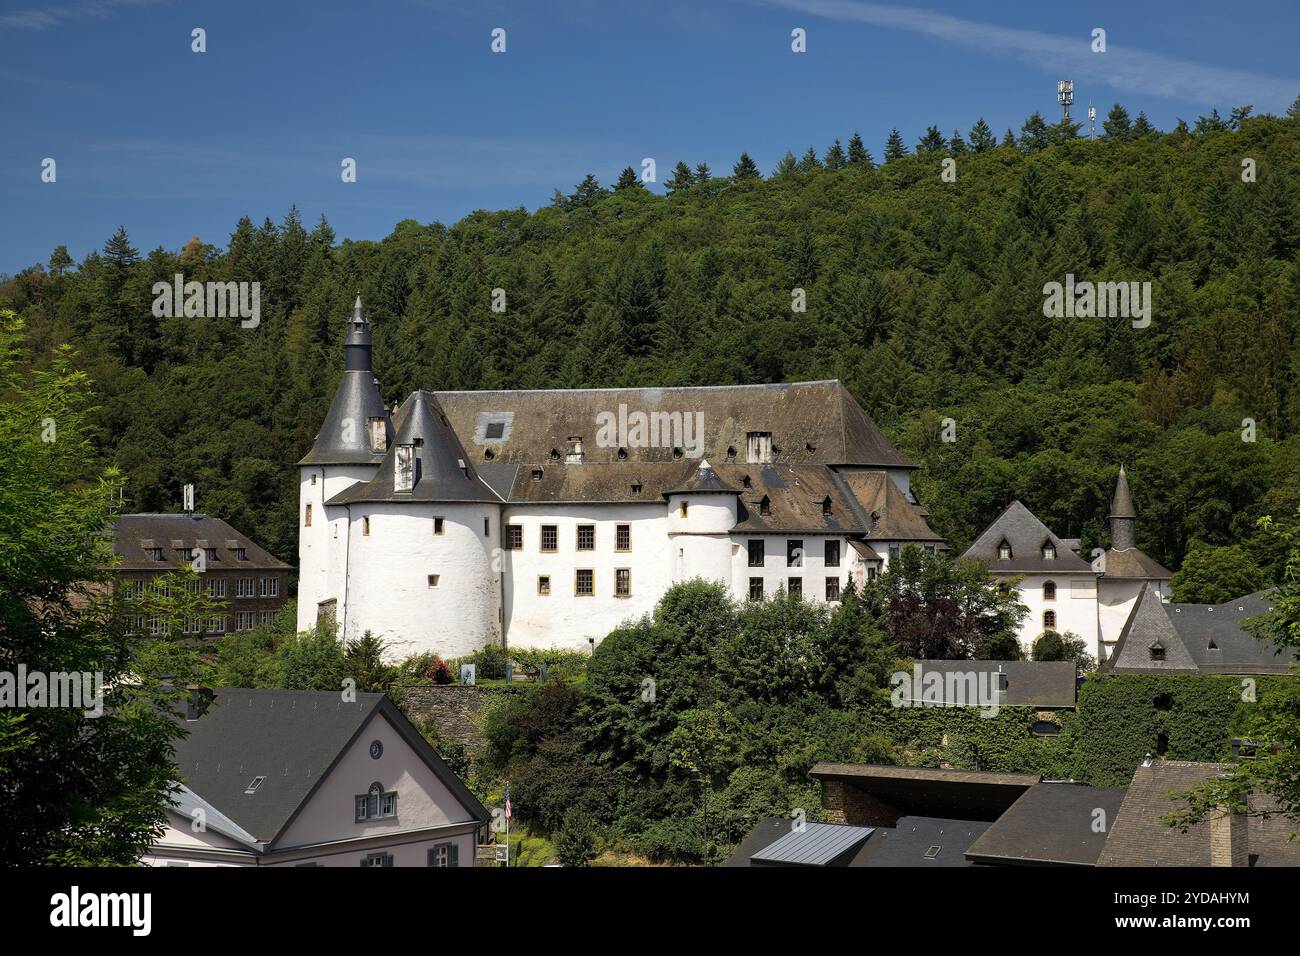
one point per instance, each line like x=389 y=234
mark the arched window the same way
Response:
x=1049 y=590
x=1049 y=620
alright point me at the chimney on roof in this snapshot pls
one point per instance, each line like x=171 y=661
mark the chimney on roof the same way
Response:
x=575 y=455
x=1229 y=834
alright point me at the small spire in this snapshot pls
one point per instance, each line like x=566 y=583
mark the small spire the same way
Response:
x=358 y=313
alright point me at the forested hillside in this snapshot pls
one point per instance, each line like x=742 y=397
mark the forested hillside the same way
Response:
x=924 y=296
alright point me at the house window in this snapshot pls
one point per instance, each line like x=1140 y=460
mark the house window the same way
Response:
x=313 y=479
x=550 y=537
x=514 y=537
x=544 y=585
x=365 y=525
x=1004 y=551
x=759 y=447
x=686 y=505
x=757 y=557
x=1049 y=620
x=832 y=589
x=217 y=587
x=439 y=525
x=487 y=527
x=217 y=625
x=765 y=506
x=263 y=617
x=826 y=506
x=155 y=554
x=747 y=482
x=377 y=859
x=623 y=537
x=584 y=582
x=263 y=587
x=756 y=589
x=1157 y=652
x=273 y=587
x=794 y=587
x=832 y=554
x=376 y=803
x=586 y=537
x=433 y=580
x=1049 y=590
x=211 y=554
x=622 y=582
x=306 y=520
x=444 y=854
x=241 y=554
x=1049 y=552
x=794 y=553
x=894 y=552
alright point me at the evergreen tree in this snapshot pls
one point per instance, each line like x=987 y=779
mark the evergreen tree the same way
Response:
x=1034 y=134
x=628 y=179
x=895 y=148
x=1210 y=124
x=1238 y=116
x=858 y=154
x=60 y=260
x=680 y=180
x=956 y=145
x=702 y=174
x=810 y=163
x=745 y=169
x=1116 y=124
x=1142 y=126
x=1009 y=138
x=835 y=158
x=1293 y=111
x=981 y=137
x=931 y=142
x=787 y=166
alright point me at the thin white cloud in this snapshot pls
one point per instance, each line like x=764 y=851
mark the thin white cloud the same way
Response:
x=1121 y=67
x=49 y=17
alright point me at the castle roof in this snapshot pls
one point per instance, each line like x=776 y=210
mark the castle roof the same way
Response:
x=1018 y=527
x=442 y=469
x=1132 y=563
x=1121 y=505
x=133 y=534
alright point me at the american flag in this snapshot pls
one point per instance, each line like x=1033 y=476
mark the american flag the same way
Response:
x=507 y=799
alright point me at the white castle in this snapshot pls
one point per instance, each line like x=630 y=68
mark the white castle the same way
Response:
x=547 y=518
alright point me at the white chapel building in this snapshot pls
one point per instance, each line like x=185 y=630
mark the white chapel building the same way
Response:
x=1063 y=591
x=528 y=518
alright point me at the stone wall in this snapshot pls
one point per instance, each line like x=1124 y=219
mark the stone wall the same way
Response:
x=454 y=710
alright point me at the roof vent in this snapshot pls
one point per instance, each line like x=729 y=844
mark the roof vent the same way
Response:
x=488 y=454
x=537 y=474
x=256 y=782
x=622 y=454
x=554 y=455
x=636 y=488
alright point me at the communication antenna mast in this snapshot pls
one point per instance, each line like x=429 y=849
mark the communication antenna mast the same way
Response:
x=1092 y=120
x=188 y=497
x=1065 y=95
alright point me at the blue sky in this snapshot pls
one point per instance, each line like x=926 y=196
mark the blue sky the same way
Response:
x=172 y=144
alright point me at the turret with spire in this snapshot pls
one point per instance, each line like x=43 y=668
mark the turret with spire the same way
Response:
x=357 y=429
x=1123 y=516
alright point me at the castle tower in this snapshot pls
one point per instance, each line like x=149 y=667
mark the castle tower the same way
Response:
x=1123 y=516
x=701 y=514
x=348 y=449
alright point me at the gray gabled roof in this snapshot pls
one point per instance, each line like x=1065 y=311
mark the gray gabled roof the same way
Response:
x=1149 y=627
x=1018 y=527
x=814 y=844
x=443 y=471
x=1051 y=823
x=293 y=738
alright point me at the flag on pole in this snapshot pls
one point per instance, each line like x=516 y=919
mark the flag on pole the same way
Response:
x=507 y=799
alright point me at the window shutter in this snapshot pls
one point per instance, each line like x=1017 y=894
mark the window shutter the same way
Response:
x=453 y=855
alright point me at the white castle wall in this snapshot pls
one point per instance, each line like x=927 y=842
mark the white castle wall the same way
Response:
x=388 y=591
x=1075 y=606
x=1115 y=600
x=563 y=619
x=775 y=573
x=320 y=547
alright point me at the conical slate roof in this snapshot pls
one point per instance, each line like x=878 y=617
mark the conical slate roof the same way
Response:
x=443 y=471
x=344 y=436
x=1121 y=506
x=705 y=481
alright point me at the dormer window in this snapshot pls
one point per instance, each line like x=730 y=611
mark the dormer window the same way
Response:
x=537 y=474
x=731 y=453
x=826 y=505
x=554 y=455
x=1049 y=552
x=1004 y=551
x=765 y=506
x=404 y=469
x=747 y=482
x=378 y=434
x=1157 y=651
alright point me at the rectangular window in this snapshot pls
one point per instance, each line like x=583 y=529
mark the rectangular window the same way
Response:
x=757 y=553
x=584 y=582
x=377 y=859
x=794 y=587
x=241 y=554
x=544 y=585
x=832 y=589
x=514 y=537
x=433 y=580
x=444 y=854
x=832 y=554
x=365 y=525
x=155 y=554
x=686 y=505
x=273 y=587
x=437 y=525
x=794 y=553
x=218 y=625
x=622 y=582
x=373 y=805
x=893 y=552
x=211 y=554
x=586 y=537
x=756 y=589
x=306 y=518
x=550 y=538
x=263 y=587
x=759 y=447
x=487 y=527
x=623 y=537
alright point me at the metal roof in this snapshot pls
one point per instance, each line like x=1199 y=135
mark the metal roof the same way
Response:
x=815 y=844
